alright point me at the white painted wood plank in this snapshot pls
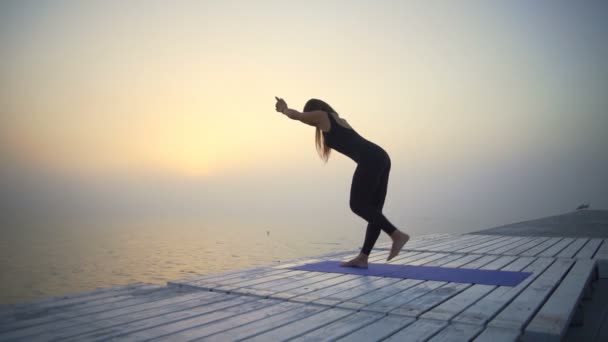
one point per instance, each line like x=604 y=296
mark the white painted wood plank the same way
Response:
x=573 y=248
x=195 y=328
x=457 y=332
x=453 y=306
x=491 y=249
x=419 y=304
x=164 y=328
x=456 y=240
x=497 y=241
x=379 y=330
x=518 y=313
x=516 y=242
x=359 y=302
x=420 y=330
x=534 y=251
x=470 y=243
x=487 y=307
x=266 y=324
x=555 y=249
x=602 y=259
x=589 y=249
x=479 y=262
x=271 y=291
x=65 y=320
x=463 y=243
x=214 y=310
x=526 y=246
x=551 y=322
x=391 y=303
x=493 y=334
x=85 y=296
x=340 y=328
x=51 y=314
x=351 y=294
x=463 y=261
x=328 y=291
x=337 y=298
x=79 y=325
x=93 y=298
x=302 y=326
x=293 y=292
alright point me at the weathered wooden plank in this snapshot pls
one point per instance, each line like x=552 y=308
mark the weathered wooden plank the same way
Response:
x=588 y=249
x=420 y=330
x=602 y=259
x=380 y=329
x=518 y=313
x=44 y=315
x=458 y=239
x=53 y=306
x=526 y=246
x=394 y=301
x=487 y=307
x=369 y=298
x=265 y=324
x=341 y=327
x=296 y=291
x=457 y=332
x=79 y=325
x=65 y=320
x=486 y=249
x=498 y=241
x=551 y=322
x=463 y=261
x=345 y=295
x=459 y=244
x=516 y=242
x=493 y=334
x=479 y=262
x=391 y=303
x=453 y=306
x=328 y=291
x=201 y=326
x=534 y=251
x=240 y=302
x=302 y=326
x=573 y=248
x=337 y=298
x=555 y=249
x=471 y=243
x=422 y=303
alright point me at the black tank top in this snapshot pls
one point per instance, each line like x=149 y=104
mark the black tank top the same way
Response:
x=348 y=142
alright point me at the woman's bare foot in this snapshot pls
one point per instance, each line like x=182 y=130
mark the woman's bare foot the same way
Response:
x=359 y=261
x=399 y=239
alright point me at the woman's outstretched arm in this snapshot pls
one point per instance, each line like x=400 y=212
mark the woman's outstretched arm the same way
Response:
x=312 y=118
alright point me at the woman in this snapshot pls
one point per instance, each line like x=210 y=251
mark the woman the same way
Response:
x=369 y=184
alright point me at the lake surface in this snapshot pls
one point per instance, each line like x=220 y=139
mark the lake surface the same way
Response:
x=44 y=260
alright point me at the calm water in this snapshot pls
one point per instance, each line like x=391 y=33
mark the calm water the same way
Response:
x=48 y=260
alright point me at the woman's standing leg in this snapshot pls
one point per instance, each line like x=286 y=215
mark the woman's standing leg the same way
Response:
x=368 y=192
x=378 y=197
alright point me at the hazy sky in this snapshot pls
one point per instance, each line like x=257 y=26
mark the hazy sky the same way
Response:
x=492 y=111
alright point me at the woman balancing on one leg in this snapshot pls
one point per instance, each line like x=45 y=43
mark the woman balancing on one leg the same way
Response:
x=368 y=189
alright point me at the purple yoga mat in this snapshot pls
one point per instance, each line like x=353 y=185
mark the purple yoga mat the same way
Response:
x=456 y=275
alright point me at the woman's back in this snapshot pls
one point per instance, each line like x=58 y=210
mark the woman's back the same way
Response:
x=344 y=139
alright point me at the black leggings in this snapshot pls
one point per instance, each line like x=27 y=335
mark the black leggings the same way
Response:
x=367 y=194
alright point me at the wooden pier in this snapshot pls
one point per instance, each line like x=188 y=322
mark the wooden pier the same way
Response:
x=275 y=303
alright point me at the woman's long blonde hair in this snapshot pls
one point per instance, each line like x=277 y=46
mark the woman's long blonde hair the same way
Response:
x=316 y=104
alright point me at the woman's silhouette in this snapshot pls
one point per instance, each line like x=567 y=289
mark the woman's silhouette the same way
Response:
x=370 y=180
